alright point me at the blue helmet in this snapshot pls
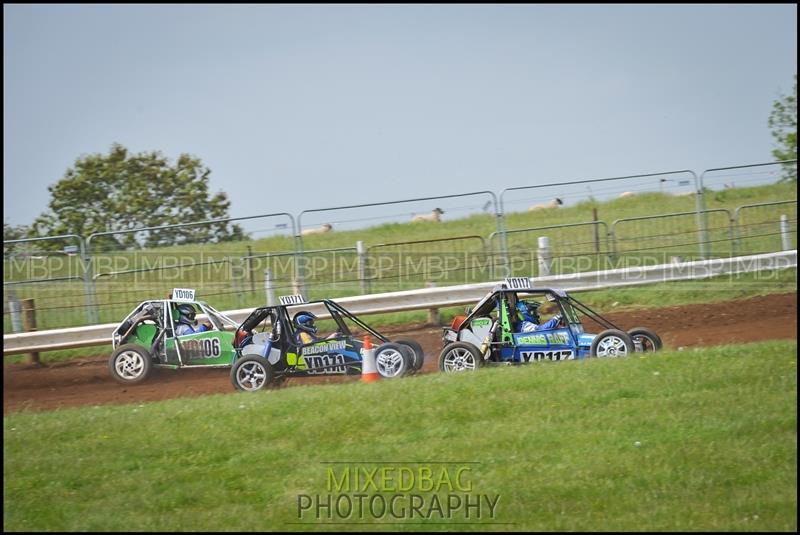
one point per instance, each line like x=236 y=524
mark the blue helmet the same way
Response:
x=529 y=311
x=305 y=322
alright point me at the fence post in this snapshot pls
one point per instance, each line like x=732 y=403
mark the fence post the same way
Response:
x=361 y=253
x=544 y=256
x=702 y=217
x=89 y=284
x=14 y=310
x=29 y=320
x=786 y=240
x=596 y=231
x=433 y=313
x=297 y=289
x=299 y=281
x=504 y=254
x=250 y=272
x=269 y=287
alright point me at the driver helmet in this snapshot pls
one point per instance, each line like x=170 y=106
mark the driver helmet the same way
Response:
x=528 y=311
x=187 y=314
x=305 y=321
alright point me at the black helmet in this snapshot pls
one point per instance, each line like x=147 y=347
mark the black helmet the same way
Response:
x=304 y=321
x=187 y=314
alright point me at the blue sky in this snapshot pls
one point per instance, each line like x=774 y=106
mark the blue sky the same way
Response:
x=299 y=107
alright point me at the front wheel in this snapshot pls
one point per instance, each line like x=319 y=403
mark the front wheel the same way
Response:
x=645 y=340
x=417 y=353
x=612 y=343
x=393 y=360
x=252 y=373
x=460 y=357
x=130 y=364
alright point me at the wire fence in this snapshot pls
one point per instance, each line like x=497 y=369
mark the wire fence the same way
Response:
x=558 y=228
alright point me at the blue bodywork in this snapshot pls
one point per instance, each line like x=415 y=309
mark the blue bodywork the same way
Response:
x=548 y=344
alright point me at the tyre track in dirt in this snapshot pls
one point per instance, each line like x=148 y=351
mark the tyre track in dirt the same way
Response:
x=86 y=381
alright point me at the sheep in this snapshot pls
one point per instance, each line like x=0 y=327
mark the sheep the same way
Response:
x=435 y=215
x=626 y=194
x=553 y=203
x=327 y=227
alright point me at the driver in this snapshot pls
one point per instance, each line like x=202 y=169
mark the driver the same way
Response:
x=306 y=329
x=530 y=320
x=186 y=321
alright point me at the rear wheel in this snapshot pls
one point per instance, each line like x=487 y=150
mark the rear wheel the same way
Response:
x=460 y=357
x=252 y=373
x=393 y=360
x=645 y=340
x=612 y=343
x=130 y=364
x=417 y=353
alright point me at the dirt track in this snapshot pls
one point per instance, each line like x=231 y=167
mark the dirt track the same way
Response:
x=87 y=381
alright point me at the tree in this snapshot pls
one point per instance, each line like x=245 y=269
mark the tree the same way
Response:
x=123 y=191
x=13 y=232
x=783 y=122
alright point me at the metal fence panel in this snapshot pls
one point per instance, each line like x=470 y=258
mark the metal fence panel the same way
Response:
x=328 y=272
x=125 y=273
x=759 y=229
x=572 y=248
x=476 y=212
x=747 y=176
x=658 y=238
x=575 y=201
x=52 y=270
x=727 y=187
x=676 y=187
x=419 y=263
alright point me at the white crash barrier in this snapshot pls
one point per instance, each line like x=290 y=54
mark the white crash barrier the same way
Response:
x=426 y=298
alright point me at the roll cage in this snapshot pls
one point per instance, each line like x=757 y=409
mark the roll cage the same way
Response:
x=567 y=304
x=287 y=330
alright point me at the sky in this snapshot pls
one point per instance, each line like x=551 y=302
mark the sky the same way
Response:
x=301 y=107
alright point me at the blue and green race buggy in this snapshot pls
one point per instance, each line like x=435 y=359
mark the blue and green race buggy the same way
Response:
x=270 y=348
x=492 y=333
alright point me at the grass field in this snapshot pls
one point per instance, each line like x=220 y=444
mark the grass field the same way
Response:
x=699 y=440
x=464 y=255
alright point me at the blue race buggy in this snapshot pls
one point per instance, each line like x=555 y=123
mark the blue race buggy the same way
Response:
x=492 y=333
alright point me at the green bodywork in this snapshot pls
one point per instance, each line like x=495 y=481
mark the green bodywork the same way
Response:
x=210 y=348
x=505 y=323
x=143 y=336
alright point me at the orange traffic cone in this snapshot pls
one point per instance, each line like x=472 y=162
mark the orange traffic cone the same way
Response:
x=369 y=371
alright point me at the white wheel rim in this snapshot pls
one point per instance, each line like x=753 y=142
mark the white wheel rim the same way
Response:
x=251 y=376
x=611 y=346
x=129 y=365
x=389 y=362
x=459 y=360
